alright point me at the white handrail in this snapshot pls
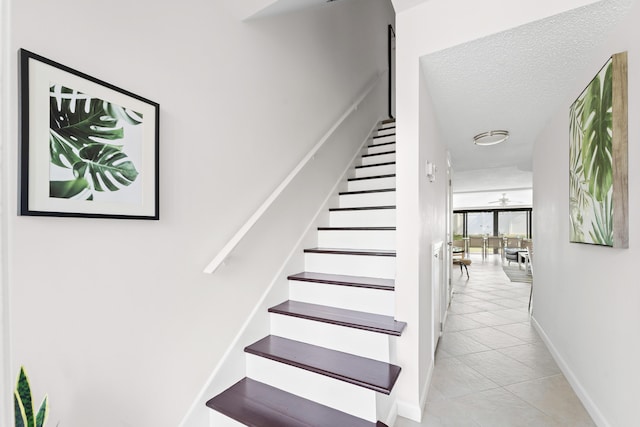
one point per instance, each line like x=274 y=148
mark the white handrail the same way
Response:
x=230 y=246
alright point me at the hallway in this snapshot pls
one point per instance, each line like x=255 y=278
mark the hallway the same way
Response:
x=492 y=369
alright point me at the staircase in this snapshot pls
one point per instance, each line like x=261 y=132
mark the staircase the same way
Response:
x=328 y=360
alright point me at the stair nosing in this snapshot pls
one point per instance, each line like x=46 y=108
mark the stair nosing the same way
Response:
x=285 y=309
x=363 y=208
x=390 y=175
x=361 y=382
x=378 y=154
x=377 y=164
x=356 y=228
x=343 y=280
x=348 y=251
x=381 y=144
x=383 y=136
x=380 y=190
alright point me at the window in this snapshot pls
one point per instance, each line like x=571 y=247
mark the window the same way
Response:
x=497 y=222
x=458 y=226
x=513 y=224
x=480 y=223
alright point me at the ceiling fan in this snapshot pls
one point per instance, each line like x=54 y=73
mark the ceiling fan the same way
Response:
x=504 y=200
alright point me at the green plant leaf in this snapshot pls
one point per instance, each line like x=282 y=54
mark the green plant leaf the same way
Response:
x=70 y=189
x=602 y=228
x=43 y=413
x=23 y=390
x=578 y=188
x=79 y=121
x=596 y=141
x=19 y=411
x=104 y=166
x=579 y=198
x=62 y=152
x=130 y=116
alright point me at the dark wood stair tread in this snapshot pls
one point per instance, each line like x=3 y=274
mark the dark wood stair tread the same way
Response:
x=338 y=316
x=384 y=136
x=381 y=144
x=357 y=228
x=390 y=175
x=343 y=280
x=378 y=154
x=377 y=164
x=256 y=404
x=346 y=251
x=363 y=208
x=357 y=370
x=388 y=121
x=379 y=190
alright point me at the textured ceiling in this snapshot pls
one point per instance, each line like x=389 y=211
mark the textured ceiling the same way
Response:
x=514 y=80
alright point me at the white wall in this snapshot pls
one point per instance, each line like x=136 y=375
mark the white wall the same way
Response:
x=6 y=397
x=587 y=298
x=433 y=211
x=422 y=29
x=114 y=319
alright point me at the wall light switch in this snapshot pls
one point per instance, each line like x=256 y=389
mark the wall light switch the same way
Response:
x=431 y=170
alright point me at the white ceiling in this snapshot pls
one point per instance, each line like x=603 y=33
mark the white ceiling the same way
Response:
x=514 y=80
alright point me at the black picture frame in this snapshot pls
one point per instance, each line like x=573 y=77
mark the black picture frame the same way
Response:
x=87 y=148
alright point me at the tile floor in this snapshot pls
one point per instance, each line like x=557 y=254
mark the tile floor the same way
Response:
x=492 y=369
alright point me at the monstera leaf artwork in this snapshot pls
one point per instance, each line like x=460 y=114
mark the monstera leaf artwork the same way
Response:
x=87 y=147
x=598 y=158
x=84 y=137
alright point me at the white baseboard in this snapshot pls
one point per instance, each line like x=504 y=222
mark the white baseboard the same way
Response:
x=425 y=388
x=582 y=394
x=411 y=410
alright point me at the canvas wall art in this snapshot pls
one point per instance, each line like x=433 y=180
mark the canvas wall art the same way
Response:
x=88 y=148
x=598 y=195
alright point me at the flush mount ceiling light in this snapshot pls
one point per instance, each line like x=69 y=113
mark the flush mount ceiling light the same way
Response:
x=491 y=138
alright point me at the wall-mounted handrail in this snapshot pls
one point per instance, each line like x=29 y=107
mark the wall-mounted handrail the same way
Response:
x=230 y=246
x=391 y=34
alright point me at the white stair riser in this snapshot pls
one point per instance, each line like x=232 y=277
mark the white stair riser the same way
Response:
x=383 y=139
x=385 y=198
x=351 y=265
x=340 y=338
x=387 y=125
x=372 y=184
x=375 y=301
x=327 y=391
x=375 y=149
x=363 y=218
x=357 y=239
x=375 y=170
x=216 y=419
x=387 y=131
x=382 y=158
